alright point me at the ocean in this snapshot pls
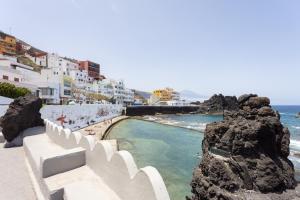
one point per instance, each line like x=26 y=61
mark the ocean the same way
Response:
x=174 y=147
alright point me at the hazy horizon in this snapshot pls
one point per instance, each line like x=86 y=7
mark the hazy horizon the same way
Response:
x=209 y=47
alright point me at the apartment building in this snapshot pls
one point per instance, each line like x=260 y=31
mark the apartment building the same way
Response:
x=7 y=44
x=24 y=76
x=115 y=90
x=92 y=68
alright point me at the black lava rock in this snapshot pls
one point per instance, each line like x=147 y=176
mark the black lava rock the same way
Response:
x=22 y=113
x=248 y=150
x=217 y=104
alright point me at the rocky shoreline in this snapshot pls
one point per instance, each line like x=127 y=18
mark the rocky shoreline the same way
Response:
x=216 y=105
x=154 y=110
x=245 y=156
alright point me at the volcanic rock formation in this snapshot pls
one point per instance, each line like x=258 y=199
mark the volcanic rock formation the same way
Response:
x=22 y=113
x=245 y=156
x=218 y=103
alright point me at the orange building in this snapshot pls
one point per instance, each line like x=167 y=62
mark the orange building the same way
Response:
x=163 y=94
x=7 y=44
x=92 y=68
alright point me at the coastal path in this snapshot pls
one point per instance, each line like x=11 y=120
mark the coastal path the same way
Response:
x=15 y=181
x=99 y=129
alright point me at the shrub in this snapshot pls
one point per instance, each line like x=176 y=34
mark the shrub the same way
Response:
x=11 y=91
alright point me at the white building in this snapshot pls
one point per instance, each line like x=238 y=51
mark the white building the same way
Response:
x=10 y=74
x=24 y=76
x=116 y=90
x=56 y=77
x=49 y=92
x=38 y=59
x=64 y=64
x=80 y=78
x=65 y=72
x=128 y=96
x=11 y=70
x=106 y=88
x=178 y=103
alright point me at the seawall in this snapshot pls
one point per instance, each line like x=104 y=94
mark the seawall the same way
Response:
x=153 y=110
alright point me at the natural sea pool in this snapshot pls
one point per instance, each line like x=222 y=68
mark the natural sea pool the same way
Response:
x=174 y=151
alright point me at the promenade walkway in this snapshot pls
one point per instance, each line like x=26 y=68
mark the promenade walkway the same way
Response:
x=15 y=182
x=98 y=130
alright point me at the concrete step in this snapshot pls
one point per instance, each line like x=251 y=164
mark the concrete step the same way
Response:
x=62 y=172
x=77 y=184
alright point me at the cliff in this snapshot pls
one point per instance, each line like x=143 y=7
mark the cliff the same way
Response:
x=245 y=156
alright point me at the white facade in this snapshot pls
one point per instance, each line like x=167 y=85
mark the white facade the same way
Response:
x=57 y=77
x=24 y=76
x=12 y=71
x=64 y=64
x=79 y=77
x=49 y=92
x=114 y=89
x=38 y=60
x=128 y=96
x=62 y=77
x=6 y=73
x=105 y=87
x=178 y=103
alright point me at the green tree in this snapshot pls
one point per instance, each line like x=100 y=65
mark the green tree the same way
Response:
x=11 y=91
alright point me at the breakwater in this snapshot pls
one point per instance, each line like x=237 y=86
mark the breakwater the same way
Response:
x=153 y=110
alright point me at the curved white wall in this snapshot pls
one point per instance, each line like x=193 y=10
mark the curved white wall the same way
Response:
x=116 y=168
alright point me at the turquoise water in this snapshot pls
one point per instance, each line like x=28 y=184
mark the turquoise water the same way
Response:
x=175 y=152
x=289 y=120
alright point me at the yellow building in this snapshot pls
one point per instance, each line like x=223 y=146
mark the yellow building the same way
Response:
x=7 y=44
x=163 y=95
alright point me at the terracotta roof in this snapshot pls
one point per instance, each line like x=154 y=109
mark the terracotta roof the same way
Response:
x=36 y=52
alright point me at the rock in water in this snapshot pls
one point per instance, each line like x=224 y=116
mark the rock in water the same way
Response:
x=22 y=113
x=246 y=155
x=218 y=103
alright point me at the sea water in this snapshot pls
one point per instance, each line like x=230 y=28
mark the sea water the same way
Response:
x=176 y=151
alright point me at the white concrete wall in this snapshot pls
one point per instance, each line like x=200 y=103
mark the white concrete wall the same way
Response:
x=81 y=115
x=11 y=74
x=116 y=168
x=4 y=102
x=3 y=110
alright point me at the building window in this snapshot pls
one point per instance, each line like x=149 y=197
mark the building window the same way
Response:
x=16 y=79
x=47 y=91
x=67 y=92
x=67 y=83
x=5 y=77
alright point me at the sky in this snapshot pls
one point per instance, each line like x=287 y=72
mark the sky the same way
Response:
x=207 y=46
